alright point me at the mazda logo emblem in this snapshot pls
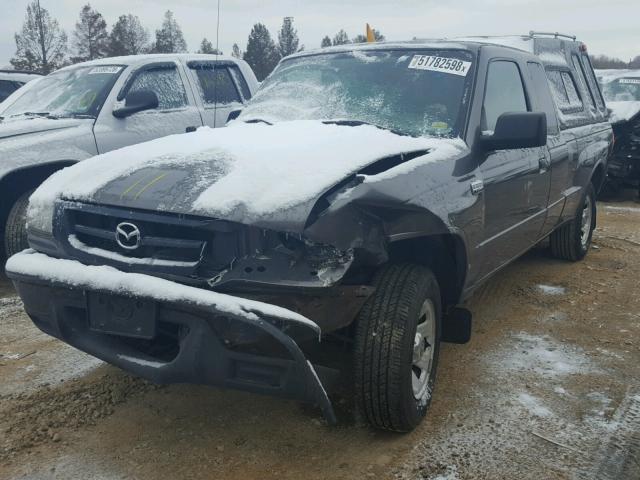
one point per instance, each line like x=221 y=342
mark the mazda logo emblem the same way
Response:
x=128 y=236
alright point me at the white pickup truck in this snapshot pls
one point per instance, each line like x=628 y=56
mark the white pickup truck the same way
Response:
x=94 y=107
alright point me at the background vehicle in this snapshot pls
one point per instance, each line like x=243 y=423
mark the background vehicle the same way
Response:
x=363 y=193
x=97 y=106
x=621 y=89
x=12 y=80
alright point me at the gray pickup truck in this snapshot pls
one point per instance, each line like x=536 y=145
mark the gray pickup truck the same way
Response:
x=359 y=198
x=98 y=106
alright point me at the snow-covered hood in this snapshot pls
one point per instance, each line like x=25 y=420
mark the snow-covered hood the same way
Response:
x=33 y=125
x=250 y=173
x=623 y=111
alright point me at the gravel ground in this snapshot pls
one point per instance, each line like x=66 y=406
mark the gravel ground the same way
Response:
x=548 y=387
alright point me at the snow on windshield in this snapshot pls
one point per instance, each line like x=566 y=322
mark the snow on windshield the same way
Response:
x=266 y=169
x=381 y=87
x=75 y=91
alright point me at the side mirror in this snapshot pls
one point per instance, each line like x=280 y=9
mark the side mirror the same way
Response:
x=233 y=114
x=136 y=102
x=517 y=130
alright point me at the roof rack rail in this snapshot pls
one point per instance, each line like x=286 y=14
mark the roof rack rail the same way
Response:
x=551 y=34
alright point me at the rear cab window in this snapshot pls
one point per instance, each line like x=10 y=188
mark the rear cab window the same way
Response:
x=564 y=90
x=216 y=83
x=543 y=96
x=504 y=92
x=583 y=80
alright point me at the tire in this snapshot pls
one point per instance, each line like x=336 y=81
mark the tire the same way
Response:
x=15 y=232
x=573 y=240
x=389 y=393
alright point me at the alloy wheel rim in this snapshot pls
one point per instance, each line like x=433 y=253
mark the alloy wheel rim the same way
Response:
x=423 y=350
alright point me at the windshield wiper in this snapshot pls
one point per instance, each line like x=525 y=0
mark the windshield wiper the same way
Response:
x=34 y=114
x=356 y=123
x=257 y=120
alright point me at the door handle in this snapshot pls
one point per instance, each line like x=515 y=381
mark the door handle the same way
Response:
x=544 y=164
x=191 y=129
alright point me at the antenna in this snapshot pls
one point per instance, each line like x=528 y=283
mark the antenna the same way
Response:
x=215 y=70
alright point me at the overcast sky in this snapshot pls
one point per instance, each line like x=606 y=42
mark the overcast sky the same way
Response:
x=610 y=27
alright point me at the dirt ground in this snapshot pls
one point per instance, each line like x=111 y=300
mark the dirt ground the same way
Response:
x=548 y=388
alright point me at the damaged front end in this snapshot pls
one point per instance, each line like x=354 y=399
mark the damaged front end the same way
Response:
x=168 y=332
x=624 y=164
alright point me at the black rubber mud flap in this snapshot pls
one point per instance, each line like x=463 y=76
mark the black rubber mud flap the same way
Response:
x=456 y=326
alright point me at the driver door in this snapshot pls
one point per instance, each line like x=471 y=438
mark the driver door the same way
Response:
x=515 y=181
x=176 y=112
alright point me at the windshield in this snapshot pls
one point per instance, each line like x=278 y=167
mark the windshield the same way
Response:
x=622 y=90
x=76 y=92
x=414 y=92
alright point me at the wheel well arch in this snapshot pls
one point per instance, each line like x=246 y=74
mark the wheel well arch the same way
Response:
x=20 y=180
x=444 y=254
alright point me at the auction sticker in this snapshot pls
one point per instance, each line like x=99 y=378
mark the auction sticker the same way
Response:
x=440 y=64
x=630 y=80
x=105 y=69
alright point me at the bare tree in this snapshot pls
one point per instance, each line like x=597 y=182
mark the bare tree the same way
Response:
x=42 y=44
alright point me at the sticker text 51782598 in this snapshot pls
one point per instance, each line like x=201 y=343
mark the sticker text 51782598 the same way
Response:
x=440 y=64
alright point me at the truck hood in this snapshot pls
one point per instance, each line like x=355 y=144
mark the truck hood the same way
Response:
x=33 y=125
x=264 y=175
x=623 y=111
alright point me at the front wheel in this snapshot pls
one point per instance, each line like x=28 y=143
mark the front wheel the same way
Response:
x=397 y=345
x=15 y=232
x=573 y=240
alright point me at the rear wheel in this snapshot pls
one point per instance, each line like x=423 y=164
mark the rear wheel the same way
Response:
x=15 y=232
x=397 y=346
x=573 y=240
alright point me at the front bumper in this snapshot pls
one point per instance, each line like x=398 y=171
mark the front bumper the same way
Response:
x=186 y=346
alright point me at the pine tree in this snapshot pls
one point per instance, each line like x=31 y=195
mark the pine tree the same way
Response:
x=128 y=37
x=169 y=37
x=207 y=47
x=340 y=38
x=363 y=38
x=326 y=42
x=235 y=51
x=262 y=54
x=288 y=41
x=42 y=44
x=91 y=39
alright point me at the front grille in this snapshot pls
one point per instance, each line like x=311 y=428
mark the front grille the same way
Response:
x=175 y=244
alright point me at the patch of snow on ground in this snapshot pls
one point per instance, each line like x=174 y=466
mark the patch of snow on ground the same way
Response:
x=551 y=290
x=560 y=391
x=533 y=405
x=544 y=356
x=450 y=474
x=622 y=209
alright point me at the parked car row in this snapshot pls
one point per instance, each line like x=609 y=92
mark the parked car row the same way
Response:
x=362 y=194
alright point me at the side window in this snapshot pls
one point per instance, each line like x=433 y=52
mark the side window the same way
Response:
x=591 y=78
x=564 y=91
x=240 y=80
x=216 y=84
x=165 y=82
x=7 y=88
x=504 y=92
x=583 y=80
x=543 y=94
